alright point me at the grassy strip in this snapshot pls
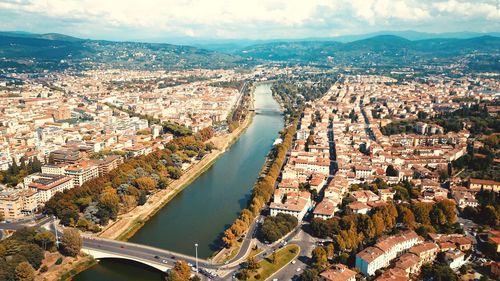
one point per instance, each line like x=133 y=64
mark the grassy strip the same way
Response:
x=228 y=255
x=283 y=257
x=254 y=252
x=77 y=268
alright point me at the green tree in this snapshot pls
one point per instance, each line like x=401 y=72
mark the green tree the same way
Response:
x=36 y=166
x=489 y=216
x=391 y=171
x=33 y=254
x=276 y=227
x=310 y=274
x=110 y=202
x=243 y=274
x=13 y=169
x=438 y=272
x=319 y=256
x=71 y=242
x=252 y=264
x=174 y=172
x=45 y=239
x=273 y=258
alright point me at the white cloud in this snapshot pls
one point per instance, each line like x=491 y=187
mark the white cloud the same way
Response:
x=235 y=18
x=381 y=10
x=469 y=9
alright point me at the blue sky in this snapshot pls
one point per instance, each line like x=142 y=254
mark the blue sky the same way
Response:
x=155 y=20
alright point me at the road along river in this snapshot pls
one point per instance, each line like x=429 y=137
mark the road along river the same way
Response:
x=203 y=210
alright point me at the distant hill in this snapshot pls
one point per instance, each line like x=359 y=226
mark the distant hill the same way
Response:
x=22 y=51
x=48 y=36
x=234 y=45
x=411 y=35
x=28 y=52
x=378 y=50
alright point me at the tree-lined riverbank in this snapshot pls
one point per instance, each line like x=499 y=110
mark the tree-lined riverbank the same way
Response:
x=205 y=207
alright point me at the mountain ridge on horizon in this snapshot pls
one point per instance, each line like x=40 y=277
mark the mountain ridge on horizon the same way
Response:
x=222 y=43
x=52 y=48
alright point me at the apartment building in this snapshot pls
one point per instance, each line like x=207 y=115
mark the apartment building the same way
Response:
x=15 y=204
x=82 y=172
x=326 y=209
x=56 y=169
x=67 y=156
x=107 y=164
x=293 y=203
x=480 y=184
x=47 y=185
x=381 y=254
x=426 y=251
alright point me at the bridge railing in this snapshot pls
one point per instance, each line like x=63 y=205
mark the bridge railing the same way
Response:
x=110 y=254
x=159 y=250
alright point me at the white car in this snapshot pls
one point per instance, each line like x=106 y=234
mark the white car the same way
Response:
x=164 y=261
x=298 y=269
x=293 y=262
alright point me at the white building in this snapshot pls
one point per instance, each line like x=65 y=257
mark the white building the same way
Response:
x=47 y=185
x=454 y=258
x=82 y=172
x=57 y=169
x=381 y=254
x=293 y=203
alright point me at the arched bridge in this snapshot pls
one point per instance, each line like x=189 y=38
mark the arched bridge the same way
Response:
x=101 y=248
x=160 y=259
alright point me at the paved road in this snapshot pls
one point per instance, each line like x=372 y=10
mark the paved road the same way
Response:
x=247 y=243
x=298 y=237
x=292 y=271
x=143 y=252
x=31 y=222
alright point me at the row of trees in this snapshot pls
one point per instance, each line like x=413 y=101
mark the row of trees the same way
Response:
x=351 y=232
x=240 y=112
x=262 y=191
x=101 y=199
x=22 y=254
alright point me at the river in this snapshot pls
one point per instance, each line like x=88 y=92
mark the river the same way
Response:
x=204 y=209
